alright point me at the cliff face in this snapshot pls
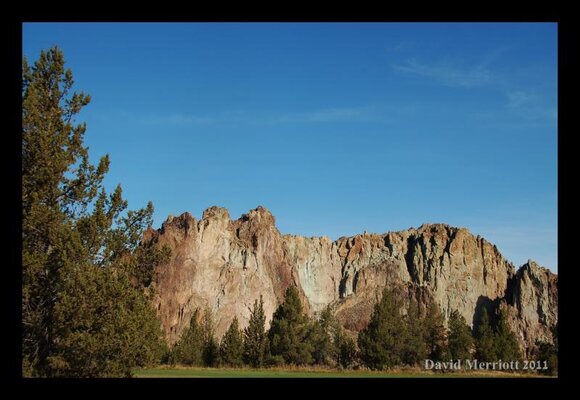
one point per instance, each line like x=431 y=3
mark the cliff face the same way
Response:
x=226 y=265
x=533 y=303
x=219 y=264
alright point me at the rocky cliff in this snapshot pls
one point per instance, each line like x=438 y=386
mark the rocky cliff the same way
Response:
x=224 y=266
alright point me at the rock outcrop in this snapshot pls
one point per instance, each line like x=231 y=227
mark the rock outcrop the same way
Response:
x=223 y=266
x=532 y=303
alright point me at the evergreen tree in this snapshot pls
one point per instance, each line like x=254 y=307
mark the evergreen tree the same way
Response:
x=189 y=349
x=548 y=352
x=435 y=334
x=210 y=351
x=96 y=347
x=380 y=343
x=344 y=349
x=289 y=330
x=141 y=265
x=506 y=344
x=485 y=339
x=232 y=345
x=77 y=241
x=460 y=338
x=321 y=336
x=336 y=345
x=255 y=336
x=414 y=346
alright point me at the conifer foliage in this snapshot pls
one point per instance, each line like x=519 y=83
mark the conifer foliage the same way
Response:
x=232 y=345
x=189 y=349
x=506 y=345
x=485 y=338
x=382 y=343
x=84 y=312
x=210 y=351
x=289 y=331
x=460 y=338
x=255 y=336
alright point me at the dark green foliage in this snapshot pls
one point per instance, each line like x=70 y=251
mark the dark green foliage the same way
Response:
x=380 y=345
x=255 y=336
x=435 y=334
x=497 y=342
x=232 y=346
x=320 y=337
x=460 y=338
x=549 y=352
x=344 y=349
x=211 y=353
x=71 y=226
x=485 y=339
x=289 y=331
x=335 y=347
x=141 y=265
x=506 y=344
x=319 y=342
x=271 y=360
x=189 y=349
x=413 y=341
x=210 y=348
x=392 y=339
x=90 y=346
x=166 y=357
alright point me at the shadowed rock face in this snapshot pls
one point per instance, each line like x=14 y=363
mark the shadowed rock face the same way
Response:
x=226 y=265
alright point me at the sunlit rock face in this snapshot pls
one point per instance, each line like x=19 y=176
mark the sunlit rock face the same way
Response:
x=224 y=266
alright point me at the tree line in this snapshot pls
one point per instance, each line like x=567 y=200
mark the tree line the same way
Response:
x=292 y=339
x=392 y=338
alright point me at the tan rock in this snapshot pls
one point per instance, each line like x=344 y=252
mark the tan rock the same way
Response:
x=226 y=265
x=533 y=305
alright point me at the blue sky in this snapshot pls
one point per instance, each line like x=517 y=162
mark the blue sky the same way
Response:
x=336 y=128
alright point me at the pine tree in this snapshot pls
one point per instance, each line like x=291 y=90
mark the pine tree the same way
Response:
x=232 y=345
x=96 y=347
x=189 y=349
x=255 y=336
x=211 y=353
x=289 y=330
x=414 y=339
x=77 y=240
x=334 y=347
x=485 y=339
x=210 y=348
x=506 y=344
x=320 y=337
x=548 y=352
x=460 y=338
x=344 y=349
x=435 y=333
x=380 y=345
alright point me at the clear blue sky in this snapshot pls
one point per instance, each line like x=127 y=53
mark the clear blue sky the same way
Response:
x=336 y=128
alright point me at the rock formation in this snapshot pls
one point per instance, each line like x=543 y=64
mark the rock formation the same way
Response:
x=224 y=266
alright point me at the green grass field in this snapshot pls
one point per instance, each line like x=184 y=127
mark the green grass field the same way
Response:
x=182 y=372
